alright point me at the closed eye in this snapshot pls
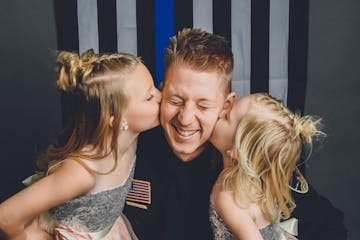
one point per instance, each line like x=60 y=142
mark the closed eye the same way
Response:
x=176 y=103
x=150 y=97
x=202 y=107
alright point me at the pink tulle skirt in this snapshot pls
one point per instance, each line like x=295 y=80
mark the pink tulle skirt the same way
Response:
x=121 y=230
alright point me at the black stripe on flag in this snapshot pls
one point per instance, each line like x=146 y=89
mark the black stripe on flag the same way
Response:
x=183 y=14
x=107 y=25
x=145 y=21
x=222 y=18
x=66 y=25
x=67 y=39
x=298 y=53
x=259 y=73
x=297 y=59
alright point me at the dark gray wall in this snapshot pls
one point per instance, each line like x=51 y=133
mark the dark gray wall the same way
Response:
x=333 y=92
x=29 y=103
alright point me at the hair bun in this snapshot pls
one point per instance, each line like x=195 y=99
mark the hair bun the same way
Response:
x=306 y=127
x=69 y=66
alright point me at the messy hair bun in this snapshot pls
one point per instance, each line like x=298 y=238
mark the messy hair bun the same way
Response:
x=305 y=127
x=69 y=66
x=74 y=70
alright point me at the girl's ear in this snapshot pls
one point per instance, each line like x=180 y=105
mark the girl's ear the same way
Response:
x=229 y=101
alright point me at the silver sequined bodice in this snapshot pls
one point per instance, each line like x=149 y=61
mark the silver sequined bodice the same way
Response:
x=93 y=212
x=221 y=232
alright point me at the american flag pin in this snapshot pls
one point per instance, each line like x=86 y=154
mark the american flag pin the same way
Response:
x=139 y=192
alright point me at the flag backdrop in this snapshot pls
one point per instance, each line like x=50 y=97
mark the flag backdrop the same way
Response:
x=269 y=39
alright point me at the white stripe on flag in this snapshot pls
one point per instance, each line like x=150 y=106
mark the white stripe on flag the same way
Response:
x=88 y=25
x=203 y=15
x=278 y=49
x=126 y=26
x=241 y=45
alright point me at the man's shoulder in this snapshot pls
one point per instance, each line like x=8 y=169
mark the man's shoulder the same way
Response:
x=152 y=143
x=153 y=153
x=318 y=217
x=149 y=135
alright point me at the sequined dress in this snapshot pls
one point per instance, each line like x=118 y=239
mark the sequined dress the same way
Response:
x=92 y=216
x=221 y=232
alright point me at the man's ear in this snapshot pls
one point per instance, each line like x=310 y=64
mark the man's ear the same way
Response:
x=229 y=101
x=111 y=121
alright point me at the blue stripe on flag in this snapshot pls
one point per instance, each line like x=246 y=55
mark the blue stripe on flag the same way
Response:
x=164 y=29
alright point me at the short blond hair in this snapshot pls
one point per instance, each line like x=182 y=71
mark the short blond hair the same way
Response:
x=201 y=51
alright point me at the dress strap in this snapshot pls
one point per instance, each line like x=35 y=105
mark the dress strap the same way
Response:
x=39 y=175
x=84 y=165
x=54 y=166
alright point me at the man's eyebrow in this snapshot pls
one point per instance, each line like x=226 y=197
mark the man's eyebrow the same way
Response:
x=206 y=100
x=175 y=95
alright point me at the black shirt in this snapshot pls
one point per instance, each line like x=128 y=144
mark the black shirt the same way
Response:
x=180 y=191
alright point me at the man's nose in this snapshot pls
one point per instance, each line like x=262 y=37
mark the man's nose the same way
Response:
x=186 y=115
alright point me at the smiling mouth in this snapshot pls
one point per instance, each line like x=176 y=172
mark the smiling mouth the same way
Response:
x=185 y=133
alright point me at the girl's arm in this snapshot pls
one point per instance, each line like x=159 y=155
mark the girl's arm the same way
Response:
x=69 y=180
x=237 y=219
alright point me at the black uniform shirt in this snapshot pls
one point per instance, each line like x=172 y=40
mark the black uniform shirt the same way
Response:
x=180 y=191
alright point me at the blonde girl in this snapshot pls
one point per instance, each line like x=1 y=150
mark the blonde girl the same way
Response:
x=260 y=141
x=89 y=170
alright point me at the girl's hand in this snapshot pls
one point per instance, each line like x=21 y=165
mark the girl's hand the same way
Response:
x=34 y=232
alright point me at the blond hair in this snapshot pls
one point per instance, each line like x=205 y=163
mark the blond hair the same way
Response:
x=268 y=144
x=95 y=83
x=201 y=51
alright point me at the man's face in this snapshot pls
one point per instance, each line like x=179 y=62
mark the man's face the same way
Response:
x=190 y=106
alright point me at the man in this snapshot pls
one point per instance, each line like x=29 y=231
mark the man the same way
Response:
x=176 y=166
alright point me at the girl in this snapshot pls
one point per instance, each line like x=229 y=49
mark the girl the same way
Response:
x=90 y=169
x=260 y=141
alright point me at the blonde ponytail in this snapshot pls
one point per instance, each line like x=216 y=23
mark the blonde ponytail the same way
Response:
x=306 y=127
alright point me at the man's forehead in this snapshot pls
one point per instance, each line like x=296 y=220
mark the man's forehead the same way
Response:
x=177 y=70
x=200 y=92
x=203 y=85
